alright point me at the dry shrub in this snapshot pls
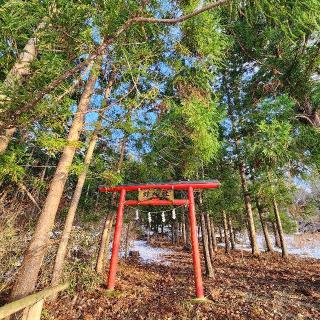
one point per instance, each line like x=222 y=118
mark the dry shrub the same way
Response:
x=81 y=259
x=13 y=241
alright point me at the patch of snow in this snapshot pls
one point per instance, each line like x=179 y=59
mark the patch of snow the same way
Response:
x=302 y=245
x=150 y=254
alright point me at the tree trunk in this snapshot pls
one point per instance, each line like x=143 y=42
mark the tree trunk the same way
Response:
x=221 y=234
x=19 y=70
x=29 y=270
x=214 y=239
x=209 y=232
x=188 y=243
x=87 y=193
x=22 y=67
x=248 y=230
x=279 y=227
x=62 y=249
x=206 y=250
x=183 y=229
x=247 y=201
x=5 y=139
x=126 y=246
x=148 y=232
x=276 y=235
x=231 y=233
x=104 y=244
x=225 y=229
x=264 y=227
x=199 y=233
x=177 y=235
x=172 y=233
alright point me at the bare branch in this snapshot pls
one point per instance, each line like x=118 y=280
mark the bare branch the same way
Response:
x=30 y=196
x=302 y=116
x=182 y=18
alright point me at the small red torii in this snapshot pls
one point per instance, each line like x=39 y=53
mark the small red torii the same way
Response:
x=190 y=186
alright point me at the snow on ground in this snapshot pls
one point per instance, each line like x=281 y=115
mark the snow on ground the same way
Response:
x=150 y=254
x=303 y=245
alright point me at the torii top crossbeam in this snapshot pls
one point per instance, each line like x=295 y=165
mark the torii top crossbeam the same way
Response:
x=160 y=199
x=174 y=185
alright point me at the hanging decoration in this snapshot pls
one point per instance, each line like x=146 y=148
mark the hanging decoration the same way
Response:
x=163 y=216
x=157 y=212
x=174 y=214
x=137 y=214
x=149 y=217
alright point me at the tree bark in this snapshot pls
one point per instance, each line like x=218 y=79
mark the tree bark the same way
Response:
x=247 y=201
x=177 y=235
x=188 y=243
x=209 y=232
x=199 y=233
x=248 y=230
x=276 y=235
x=148 y=232
x=62 y=249
x=29 y=270
x=22 y=67
x=231 y=233
x=206 y=250
x=221 y=234
x=225 y=229
x=264 y=227
x=126 y=245
x=19 y=70
x=214 y=239
x=172 y=233
x=104 y=244
x=279 y=227
x=5 y=138
x=183 y=229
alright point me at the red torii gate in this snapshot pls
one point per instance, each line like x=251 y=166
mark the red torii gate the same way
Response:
x=180 y=185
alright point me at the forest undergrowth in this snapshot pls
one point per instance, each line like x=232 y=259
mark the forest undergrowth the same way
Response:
x=243 y=288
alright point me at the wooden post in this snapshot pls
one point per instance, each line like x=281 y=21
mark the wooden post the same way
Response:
x=34 y=300
x=195 y=246
x=116 y=241
x=33 y=312
x=127 y=240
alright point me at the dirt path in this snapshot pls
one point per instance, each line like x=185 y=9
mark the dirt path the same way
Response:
x=244 y=288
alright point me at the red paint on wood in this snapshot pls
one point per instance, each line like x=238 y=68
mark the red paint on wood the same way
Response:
x=156 y=202
x=195 y=246
x=116 y=241
x=174 y=185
